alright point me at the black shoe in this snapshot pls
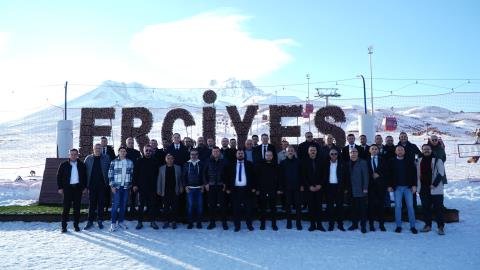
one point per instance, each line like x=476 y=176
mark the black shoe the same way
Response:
x=341 y=228
x=299 y=227
x=274 y=227
x=262 y=225
x=77 y=229
x=382 y=227
x=237 y=229
x=174 y=225
x=320 y=227
x=154 y=225
x=100 y=225
x=211 y=225
x=289 y=224
x=199 y=225
x=398 y=230
x=352 y=228
x=311 y=228
x=250 y=226
x=190 y=226
x=88 y=226
x=413 y=230
x=363 y=230
x=372 y=228
x=330 y=227
x=139 y=226
x=165 y=225
x=225 y=225
x=64 y=230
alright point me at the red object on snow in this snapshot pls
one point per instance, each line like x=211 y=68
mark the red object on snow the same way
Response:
x=389 y=123
x=309 y=108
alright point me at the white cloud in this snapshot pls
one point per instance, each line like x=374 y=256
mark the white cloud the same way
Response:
x=206 y=46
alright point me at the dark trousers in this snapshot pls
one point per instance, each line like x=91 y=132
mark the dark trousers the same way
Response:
x=293 y=198
x=242 y=200
x=216 y=203
x=376 y=202
x=359 y=211
x=315 y=207
x=72 y=194
x=268 y=200
x=432 y=203
x=334 y=204
x=170 y=207
x=96 y=198
x=108 y=197
x=150 y=200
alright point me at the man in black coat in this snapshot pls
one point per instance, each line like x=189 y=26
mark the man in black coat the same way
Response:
x=302 y=152
x=241 y=183
x=411 y=149
x=388 y=150
x=346 y=149
x=267 y=173
x=72 y=182
x=291 y=184
x=334 y=189
x=158 y=154
x=260 y=150
x=377 y=188
x=213 y=180
x=145 y=173
x=133 y=155
x=312 y=169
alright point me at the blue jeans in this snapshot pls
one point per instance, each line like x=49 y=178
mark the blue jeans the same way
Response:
x=120 y=199
x=400 y=192
x=194 y=200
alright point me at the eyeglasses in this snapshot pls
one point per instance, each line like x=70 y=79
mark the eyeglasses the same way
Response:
x=309 y=136
x=333 y=154
x=434 y=140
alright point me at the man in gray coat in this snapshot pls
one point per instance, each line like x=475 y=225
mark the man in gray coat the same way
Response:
x=357 y=171
x=169 y=187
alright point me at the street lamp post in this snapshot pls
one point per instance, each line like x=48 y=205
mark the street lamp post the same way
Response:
x=370 y=52
x=364 y=94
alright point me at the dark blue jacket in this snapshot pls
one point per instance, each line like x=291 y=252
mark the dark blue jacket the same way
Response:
x=290 y=174
x=192 y=174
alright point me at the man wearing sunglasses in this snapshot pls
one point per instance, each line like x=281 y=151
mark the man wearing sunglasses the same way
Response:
x=335 y=190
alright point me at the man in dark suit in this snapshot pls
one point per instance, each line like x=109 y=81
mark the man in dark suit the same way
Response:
x=260 y=150
x=227 y=153
x=72 y=182
x=334 y=189
x=178 y=150
x=158 y=154
x=350 y=145
x=313 y=183
x=364 y=148
x=377 y=188
x=268 y=180
x=107 y=149
x=241 y=183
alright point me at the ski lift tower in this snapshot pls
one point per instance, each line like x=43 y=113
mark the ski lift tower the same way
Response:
x=327 y=93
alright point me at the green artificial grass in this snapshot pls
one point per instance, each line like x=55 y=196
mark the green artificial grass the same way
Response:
x=33 y=209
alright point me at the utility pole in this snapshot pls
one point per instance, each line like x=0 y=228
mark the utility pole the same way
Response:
x=364 y=94
x=308 y=99
x=370 y=52
x=326 y=93
x=65 y=108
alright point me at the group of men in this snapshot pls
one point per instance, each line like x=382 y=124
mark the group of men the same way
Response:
x=178 y=177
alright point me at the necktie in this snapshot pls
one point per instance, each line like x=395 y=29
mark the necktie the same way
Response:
x=104 y=150
x=239 y=172
x=374 y=163
x=264 y=150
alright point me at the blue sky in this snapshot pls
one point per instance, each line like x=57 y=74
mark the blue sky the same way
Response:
x=189 y=43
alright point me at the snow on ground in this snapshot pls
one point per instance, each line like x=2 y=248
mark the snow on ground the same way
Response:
x=41 y=245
